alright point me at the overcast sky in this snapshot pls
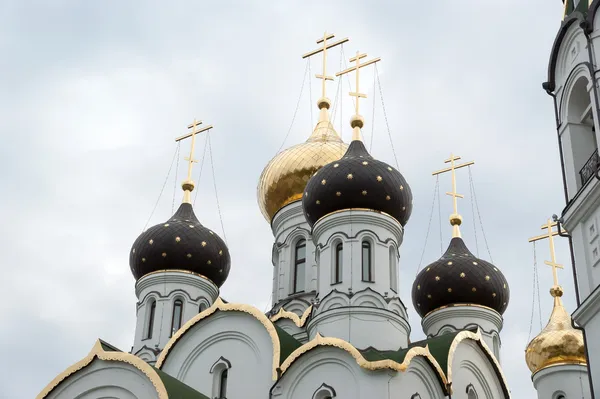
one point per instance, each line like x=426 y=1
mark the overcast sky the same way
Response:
x=93 y=94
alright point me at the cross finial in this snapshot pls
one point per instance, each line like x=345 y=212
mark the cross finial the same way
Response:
x=550 y=236
x=188 y=184
x=324 y=101
x=357 y=121
x=455 y=218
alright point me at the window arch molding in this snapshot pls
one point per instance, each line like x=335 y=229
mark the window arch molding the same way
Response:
x=471 y=393
x=324 y=392
x=220 y=371
x=579 y=72
x=559 y=395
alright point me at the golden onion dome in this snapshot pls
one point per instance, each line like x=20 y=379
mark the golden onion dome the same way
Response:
x=558 y=343
x=284 y=178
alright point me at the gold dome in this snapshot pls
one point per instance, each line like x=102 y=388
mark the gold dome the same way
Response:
x=284 y=178
x=558 y=343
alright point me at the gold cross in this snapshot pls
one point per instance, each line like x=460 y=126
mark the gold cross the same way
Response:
x=550 y=236
x=188 y=184
x=455 y=218
x=324 y=78
x=356 y=68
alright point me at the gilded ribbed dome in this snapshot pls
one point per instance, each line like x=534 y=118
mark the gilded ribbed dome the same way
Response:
x=558 y=343
x=284 y=178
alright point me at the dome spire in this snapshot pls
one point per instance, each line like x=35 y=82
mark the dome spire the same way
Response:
x=188 y=184
x=558 y=342
x=357 y=121
x=455 y=218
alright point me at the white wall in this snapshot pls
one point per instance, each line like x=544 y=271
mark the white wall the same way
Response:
x=106 y=379
x=470 y=366
x=236 y=336
x=165 y=288
x=568 y=380
x=336 y=368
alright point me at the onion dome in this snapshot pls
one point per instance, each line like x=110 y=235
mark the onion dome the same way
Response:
x=181 y=243
x=357 y=181
x=459 y=277
x=559 y=342
x=284 y=178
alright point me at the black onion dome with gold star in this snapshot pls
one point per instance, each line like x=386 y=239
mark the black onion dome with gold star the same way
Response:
x=459 y=277
x=357 y=181
x=181 y=243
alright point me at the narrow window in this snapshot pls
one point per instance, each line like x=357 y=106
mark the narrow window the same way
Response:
x=177 y=315
x=201 y=308
x=223 y=384
x=300 y=266
x=366 y=261
x=393 y=271
x=339 y=253
x=150 y=325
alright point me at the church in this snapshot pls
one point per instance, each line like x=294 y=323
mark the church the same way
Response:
x=338 y=327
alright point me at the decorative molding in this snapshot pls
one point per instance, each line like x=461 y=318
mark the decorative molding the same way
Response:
x=157 y=295
x=298 y=321
x=357 y=216
x=319 y=341
x=296 y=231
x=588 y=309
x=225 y=307
x=155 y=351
x=179 y=277
x=476 y=336
x=124 y=357
x=324 y=388
x=220 y=361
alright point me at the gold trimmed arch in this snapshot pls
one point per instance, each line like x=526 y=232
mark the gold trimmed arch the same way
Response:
x=225 y=307
x=298 y=321
x=360 y=360
x=475 y=336
x=99 y=352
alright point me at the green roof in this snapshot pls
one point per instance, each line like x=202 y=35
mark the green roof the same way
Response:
x=287 y=343
x=582 y=6
x=175 y=388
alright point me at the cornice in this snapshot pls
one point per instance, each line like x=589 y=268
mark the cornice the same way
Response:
x=350 y=311
x=588 y=309
x=582 y=205
x=179 y=277
x=285 y=214
x=469 y=311
x=357 y=216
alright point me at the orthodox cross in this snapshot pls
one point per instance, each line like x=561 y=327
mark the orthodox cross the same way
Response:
x=324 y=78
x=550 y=236
x=356 y=68
x=455 y=218
x=188 y=184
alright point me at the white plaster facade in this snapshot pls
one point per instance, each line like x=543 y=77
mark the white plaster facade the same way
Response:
x=568 y=380
x=157 y=294
x=574 y=86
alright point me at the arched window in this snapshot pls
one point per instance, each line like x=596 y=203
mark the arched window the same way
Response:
x=220 y=372
x=300 y=266
x=339 y=259
x=201 y=308
x=177 y=316
x=223 y=384
x=367 y=274
x=471 y=394
x=582 y=135
x=150 y=323
x=393 y=270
